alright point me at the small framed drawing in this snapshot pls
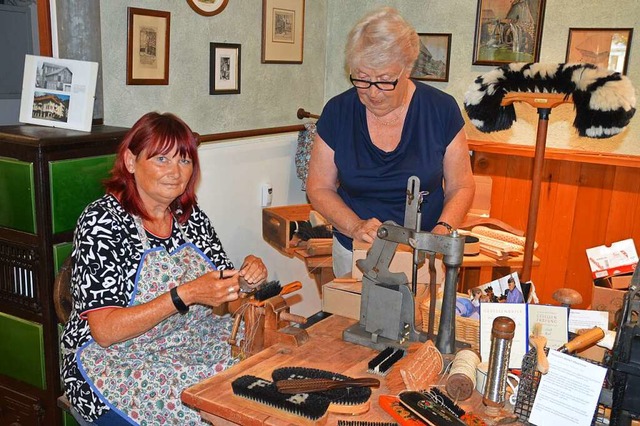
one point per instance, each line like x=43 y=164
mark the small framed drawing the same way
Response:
x=224 y=69
x=208 y=7
x=433 y=60
x=282 y=31
x=148 y=46
x=604 y=47
x=58 y=92
x=508 y=31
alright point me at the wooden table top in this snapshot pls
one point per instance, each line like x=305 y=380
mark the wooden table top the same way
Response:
x=325 y=350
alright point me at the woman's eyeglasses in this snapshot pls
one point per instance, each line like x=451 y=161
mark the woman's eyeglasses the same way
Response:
x=385 y=86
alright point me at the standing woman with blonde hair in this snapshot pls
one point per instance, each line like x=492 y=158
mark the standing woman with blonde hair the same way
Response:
x=376 y=135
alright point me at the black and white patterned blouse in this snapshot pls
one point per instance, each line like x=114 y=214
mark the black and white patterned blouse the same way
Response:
x=106 y=254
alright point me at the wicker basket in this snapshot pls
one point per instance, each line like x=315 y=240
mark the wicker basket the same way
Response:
x=467 y=329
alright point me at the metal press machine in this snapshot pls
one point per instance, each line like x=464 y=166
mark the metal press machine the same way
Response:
x=387 y=309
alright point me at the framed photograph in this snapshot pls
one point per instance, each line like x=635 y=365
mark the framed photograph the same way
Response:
x=58 y=92
x=508 y=31
x=208 y=7
x=224 y=69
x=282 y=31
x=148 y=46
x=604 y=47
x=433 y=60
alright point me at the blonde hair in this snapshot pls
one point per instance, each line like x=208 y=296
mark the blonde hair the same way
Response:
x=382 y=38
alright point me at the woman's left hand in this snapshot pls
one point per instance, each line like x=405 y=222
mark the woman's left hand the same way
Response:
x=253 y=270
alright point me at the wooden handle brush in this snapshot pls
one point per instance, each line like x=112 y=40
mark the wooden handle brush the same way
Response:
x=295 y=386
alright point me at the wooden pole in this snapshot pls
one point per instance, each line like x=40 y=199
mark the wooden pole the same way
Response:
x=544 y=102
x=534 y=199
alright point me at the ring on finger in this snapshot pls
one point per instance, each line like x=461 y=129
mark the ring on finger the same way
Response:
x=230 y=289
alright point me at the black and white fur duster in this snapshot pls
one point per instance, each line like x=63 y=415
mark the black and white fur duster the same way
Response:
x=604 y=100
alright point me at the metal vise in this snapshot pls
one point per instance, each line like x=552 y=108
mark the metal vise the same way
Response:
x=387 y=310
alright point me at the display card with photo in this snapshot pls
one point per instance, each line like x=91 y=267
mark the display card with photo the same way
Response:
x=58 y=92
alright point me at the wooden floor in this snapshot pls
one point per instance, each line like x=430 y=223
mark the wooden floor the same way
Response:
x=582 y=205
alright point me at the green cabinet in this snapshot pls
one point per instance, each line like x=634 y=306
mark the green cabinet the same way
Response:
x=47 y=177
x=18 y=206
x=74 y=184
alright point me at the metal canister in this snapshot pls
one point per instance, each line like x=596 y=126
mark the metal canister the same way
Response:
x=502 y=333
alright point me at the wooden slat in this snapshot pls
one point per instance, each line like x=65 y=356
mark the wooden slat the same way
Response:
x=557 y=215
x=624 y=204
x=582 y=205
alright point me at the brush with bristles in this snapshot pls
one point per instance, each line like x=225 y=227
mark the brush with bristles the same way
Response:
x=273 y=288
x=381 y=364
x=312 y=406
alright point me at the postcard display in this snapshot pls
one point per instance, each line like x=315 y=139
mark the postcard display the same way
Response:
x=58 y=92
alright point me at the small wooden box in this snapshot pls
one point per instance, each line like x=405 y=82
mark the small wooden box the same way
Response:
x=277 y=228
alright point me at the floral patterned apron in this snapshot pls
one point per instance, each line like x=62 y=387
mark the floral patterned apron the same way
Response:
x=142 y=378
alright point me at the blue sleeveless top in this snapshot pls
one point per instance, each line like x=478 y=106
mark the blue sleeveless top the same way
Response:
x=372 y=182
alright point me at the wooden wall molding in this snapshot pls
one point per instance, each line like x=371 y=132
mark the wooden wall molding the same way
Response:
x=556 y=153
x=217 y=137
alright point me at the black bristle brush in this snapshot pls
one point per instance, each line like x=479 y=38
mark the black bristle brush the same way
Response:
x=273 y=288
x=267 y=290
x=443 y=399
x=381 y=364
x=312 y=407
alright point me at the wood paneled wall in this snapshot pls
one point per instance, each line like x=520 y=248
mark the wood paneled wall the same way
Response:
x=585 y=201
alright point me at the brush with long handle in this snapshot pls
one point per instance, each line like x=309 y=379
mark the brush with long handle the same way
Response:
x=294 y=386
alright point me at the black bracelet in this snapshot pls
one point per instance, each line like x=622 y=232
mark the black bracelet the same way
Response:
x=446 y=225
x=178 y=302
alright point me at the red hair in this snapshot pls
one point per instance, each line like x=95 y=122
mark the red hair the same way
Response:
x=155 y=134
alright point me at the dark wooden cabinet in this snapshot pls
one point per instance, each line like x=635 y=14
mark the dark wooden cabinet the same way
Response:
x=47 y=177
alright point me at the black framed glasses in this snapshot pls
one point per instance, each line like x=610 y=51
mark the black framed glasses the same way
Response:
x=385 y=86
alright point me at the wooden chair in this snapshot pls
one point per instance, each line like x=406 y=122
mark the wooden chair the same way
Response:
x=62 y=299
x=63 y=302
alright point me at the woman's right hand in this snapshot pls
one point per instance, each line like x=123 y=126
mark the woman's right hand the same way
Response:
x=212 y=289
x=365 y=230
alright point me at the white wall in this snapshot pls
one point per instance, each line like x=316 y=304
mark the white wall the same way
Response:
x=232 y=175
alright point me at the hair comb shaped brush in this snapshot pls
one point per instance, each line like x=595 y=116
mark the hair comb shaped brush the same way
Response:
x=351 y=400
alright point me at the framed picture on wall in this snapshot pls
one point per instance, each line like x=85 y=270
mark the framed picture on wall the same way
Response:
x=433 y=60
x=282 y=31
x=208 y=7
x=508 y=31
x=224 y=70
x=148 y=46
x=604 y=47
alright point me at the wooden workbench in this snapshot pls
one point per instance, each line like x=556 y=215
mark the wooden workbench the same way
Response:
x=325 y=350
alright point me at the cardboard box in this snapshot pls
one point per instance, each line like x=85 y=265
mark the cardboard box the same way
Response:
x=402 y=262
x=342 y=299
x=607 y=299
x=617 y=259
